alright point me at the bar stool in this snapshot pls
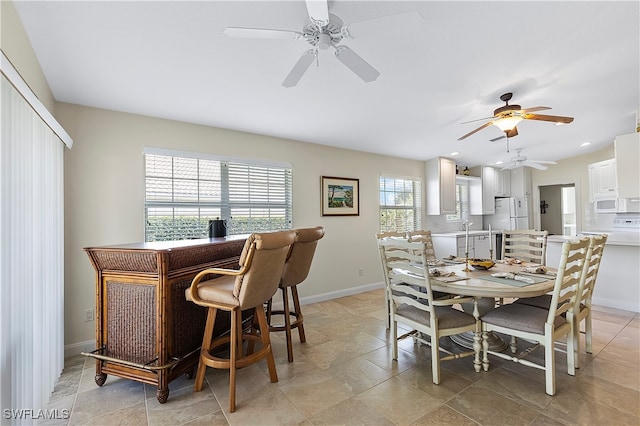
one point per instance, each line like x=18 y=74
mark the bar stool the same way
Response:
x=250 y=287
x=295 y=271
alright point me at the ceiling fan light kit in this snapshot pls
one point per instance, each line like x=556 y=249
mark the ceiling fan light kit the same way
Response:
x=507 y=117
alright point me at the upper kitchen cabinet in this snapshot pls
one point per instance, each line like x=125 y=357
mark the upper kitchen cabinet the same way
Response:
x=441 y=186
x=627 y=148
x=520 y=182
x=482 y=194
x=502 y=183
x=603 y=179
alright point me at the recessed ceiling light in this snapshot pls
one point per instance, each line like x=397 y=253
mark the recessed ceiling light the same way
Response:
x=454 y=153
x=498 y=162
x=585 y=144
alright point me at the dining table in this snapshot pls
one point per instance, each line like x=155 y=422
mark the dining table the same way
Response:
x=455 y=276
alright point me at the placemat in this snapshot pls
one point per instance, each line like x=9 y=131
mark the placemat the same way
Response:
x=515 y=283
x=449 y=279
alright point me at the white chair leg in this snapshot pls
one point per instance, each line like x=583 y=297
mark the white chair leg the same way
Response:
x=550 y=368
x=435 y=359
x=588 y=333
x=394 y=337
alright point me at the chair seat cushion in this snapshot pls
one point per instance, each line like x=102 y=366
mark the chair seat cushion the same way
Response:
x=543 y=301
x=447 y=317
x=521 y=317
x=218 y=290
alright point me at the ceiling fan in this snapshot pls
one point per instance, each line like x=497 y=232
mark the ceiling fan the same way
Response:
x=508 y=116
x=323 y=30
x=521 y=160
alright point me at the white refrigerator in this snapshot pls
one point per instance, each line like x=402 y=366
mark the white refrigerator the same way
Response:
x=512 y=213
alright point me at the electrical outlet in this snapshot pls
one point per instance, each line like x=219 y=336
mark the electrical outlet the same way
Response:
x=88 y=315
x=361 y=271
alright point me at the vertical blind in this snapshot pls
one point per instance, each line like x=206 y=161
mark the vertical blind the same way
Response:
x=31 y=256
x=184 y=191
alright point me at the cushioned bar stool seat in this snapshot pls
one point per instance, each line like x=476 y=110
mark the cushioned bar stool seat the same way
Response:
x=248 y=288
x=296 y=270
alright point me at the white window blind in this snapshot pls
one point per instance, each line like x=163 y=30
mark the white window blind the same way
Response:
x=462 y=204
x=185 y=190
x=31 y=253
x=400 y=204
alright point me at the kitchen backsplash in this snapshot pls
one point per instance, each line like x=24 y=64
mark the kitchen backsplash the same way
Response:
x=438 y=224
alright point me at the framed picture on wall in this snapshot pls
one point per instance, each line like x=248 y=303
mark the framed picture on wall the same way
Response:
x=340 y=196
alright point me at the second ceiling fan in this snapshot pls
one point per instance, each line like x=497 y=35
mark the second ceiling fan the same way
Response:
x=323 y=31
x=508 y=116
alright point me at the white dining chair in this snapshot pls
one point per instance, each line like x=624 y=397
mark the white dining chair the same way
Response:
x=412 y=304
x=583 y=307
x=543 y=326
x=527 y=245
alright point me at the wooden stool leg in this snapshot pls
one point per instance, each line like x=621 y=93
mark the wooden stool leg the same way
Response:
x=287 y=322
x=299 y=318
x=206 y=345
x=266 y=343
x=233 y=348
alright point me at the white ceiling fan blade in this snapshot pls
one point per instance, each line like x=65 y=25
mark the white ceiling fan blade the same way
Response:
x=380 y=24
x=299 y=68
x=318 y=11
x=238 y=32
x=356 y=64
x=535 y=165
x=542 y=161
x=509 y=167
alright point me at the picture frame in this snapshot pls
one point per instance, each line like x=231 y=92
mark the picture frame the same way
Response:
x=340 y=196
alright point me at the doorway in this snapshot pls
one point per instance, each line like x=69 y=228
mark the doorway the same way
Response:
x=558 y=209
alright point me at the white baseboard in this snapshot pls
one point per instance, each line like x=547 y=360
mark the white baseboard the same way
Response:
x=90 y=345
x=76 y=348
x=631 y=306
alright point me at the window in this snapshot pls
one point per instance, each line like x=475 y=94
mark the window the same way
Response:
x=183 y=191
x=400 y=204
x=462 y=204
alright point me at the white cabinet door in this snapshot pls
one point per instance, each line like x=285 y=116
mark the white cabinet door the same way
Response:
x=502 y=183
x=481 y=246
x=488 y=190
x=603 y=180
x=444 y=246
x=627 y=149
x=441 y=186
x=520 y=182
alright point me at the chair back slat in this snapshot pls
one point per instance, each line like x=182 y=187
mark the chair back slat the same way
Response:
x=527 y=245
x=425 y=237
x=590 y=273
x=572 y=260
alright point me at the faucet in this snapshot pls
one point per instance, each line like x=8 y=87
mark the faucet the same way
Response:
x=466 y=224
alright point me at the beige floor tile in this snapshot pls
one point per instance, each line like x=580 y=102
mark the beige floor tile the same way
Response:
x=315 y=391
x=352 y=412
x=490 y=408
x=399 y=401
x=611 y=372
x=345 y=374
x=444 y=416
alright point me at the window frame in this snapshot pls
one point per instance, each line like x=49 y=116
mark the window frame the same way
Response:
x=271 y=190
x=417 y=206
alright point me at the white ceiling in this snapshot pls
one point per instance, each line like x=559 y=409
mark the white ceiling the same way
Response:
x=170 y=59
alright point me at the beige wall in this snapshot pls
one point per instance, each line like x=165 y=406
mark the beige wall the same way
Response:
x=104 y=190
x=572 y=170
x=17 y=48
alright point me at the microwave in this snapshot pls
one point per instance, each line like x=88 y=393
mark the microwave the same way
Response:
x=617 y=205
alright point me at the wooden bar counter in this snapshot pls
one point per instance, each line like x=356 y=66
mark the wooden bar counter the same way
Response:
x=145 y=328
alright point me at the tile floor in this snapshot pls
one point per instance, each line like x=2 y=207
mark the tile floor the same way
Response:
x=344 y=374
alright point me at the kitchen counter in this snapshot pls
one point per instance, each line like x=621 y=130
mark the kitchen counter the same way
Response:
x=454 y=234
x=618 y=283
x=613 y=239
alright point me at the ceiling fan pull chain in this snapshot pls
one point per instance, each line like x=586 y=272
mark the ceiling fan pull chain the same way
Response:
x=507 y=144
